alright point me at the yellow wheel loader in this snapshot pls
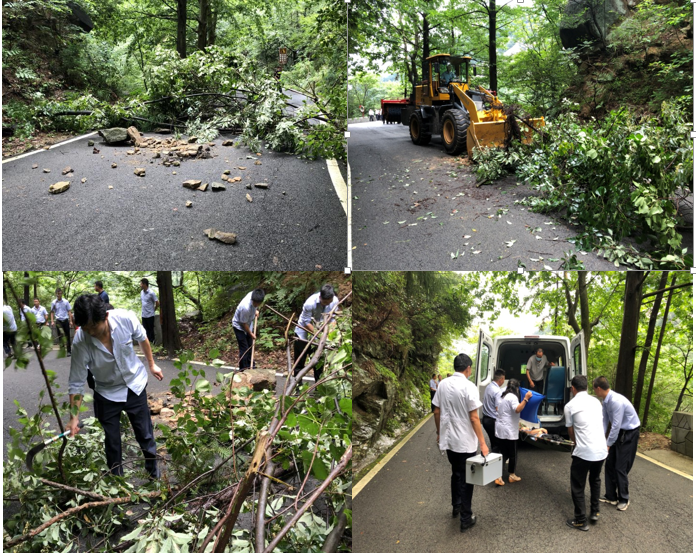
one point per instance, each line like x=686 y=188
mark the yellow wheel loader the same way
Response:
x=466 y=118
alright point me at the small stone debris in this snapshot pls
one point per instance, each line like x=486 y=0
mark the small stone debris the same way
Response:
x=114 y=165
x=261 y=185
x=228 y=142
x=241 y=167
x=193 y=139
x=140 y=172
x=192 y=183
x=248 y=197
x=226 y=172
x=95 y=150
x=218 y=186
x=46 y=170
x=34 y=166
x=90 y=143
x=156 y=155
x=203 y=187
x=134 y=135
x=222 y=236
x=176 y=163
x=257 y=163
x=130 y=152
x=248 y=186
x=83 y=180
x=162 y=131
x=67 y=170
x=111 y=186
x=59 y=187
x=189 y=204
x=234 y=179
x=114 y=135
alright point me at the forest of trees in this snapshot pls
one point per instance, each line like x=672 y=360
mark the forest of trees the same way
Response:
x=245 y=469
x=77 y=65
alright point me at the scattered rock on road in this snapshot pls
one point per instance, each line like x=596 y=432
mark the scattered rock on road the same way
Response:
x=218 y=186
x=222 y=236
x=140 y=172
x=59 y=187
x=203 y=187
x=90 y=143
x=114 y=165
x=226 y=172
x=192 y=183
x=67 y=170
x=192 y=139
x=34 y=166
x=83 y=180
x=46 y=170
x=114 y=135
x=189 y=204
x=261 y=185
x=248 y=197
x=134 y=135
x=228 y=143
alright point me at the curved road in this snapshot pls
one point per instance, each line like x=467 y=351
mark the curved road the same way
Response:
x=406 y=507
x=414 y=207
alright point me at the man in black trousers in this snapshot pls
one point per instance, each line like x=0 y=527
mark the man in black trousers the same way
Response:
x=583 y=415
x=104 y=345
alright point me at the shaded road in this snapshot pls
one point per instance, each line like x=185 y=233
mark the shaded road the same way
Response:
x=414 y=207
x=407 y=507
x=295 y=224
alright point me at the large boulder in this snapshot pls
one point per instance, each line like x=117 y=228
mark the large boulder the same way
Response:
x=114 y=135
x=589 y=20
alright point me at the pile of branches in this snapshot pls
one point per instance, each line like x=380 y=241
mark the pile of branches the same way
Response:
x=261 y=495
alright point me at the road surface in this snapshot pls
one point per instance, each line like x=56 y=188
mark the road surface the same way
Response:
x=406 y=507
x=417 y=208
x=298 y=223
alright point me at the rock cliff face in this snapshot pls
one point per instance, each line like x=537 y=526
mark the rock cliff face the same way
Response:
x=591 y=20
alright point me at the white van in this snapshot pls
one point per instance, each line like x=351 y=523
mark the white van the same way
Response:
x=511 y=353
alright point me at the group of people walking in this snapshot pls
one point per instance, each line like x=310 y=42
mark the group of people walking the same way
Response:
x=605 y=427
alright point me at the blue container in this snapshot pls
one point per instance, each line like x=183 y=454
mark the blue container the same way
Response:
x=530 y=412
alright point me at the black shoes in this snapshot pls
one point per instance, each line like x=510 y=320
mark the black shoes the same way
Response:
x=455 y=511
x=594 y=517
x=578 y=525
x=464 y=527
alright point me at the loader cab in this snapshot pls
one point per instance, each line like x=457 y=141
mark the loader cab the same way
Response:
x=511 y=353
x=444 y=69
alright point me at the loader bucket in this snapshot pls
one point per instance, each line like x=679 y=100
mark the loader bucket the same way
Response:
x=492 y=134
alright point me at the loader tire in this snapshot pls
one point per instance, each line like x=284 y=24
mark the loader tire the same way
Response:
x=420 y=135
x=455 y=124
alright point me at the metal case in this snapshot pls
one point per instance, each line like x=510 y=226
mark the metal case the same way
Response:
x=481 y=471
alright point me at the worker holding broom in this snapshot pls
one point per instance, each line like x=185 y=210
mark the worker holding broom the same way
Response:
x=104 y=344
x=243 y=325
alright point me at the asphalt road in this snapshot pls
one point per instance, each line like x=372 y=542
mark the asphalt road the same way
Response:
x=406 y=507
x=416 y=207
x=298 y=223
x=24 y=385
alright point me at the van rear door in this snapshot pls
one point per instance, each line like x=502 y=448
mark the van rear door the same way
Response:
x=578 y=357
x=484 y=357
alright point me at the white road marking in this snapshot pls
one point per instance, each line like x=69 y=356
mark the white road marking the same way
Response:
x=350 y=221
x=338 y=183
x=50 y=148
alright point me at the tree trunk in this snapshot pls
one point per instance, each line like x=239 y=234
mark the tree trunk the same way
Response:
x=181 y=28
x=648 y=343
x=212 y=26
x=203 y=15
x=656 y=358
x=170 y=331
x=492 y=45
x=426 y=47
x=26 y=290
x=629 y=334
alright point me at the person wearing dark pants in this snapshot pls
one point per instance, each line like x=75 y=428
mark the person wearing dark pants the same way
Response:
x=433 y=389
x=459 y=433
x=109 y=415
x=583 y=416
x=491 y=400
x=622 y=430
x=104 y=345
x=149 y=303
x=537 y=365
x=243 y=325
x=315 y=309
x=9 y=331
x=61 y=313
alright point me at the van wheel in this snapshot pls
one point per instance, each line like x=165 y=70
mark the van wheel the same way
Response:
x=455 y=124
x=420 y=135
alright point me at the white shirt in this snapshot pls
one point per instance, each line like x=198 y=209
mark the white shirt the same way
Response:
x=40 y=313
x=491 y=399
x=148 y=299
x=8 y=319
x=507 y=426
x=114 y=374
x=584 y=414
x=433 y=385
x=244 y=314
x=313 y=310
x=60 y=308
x=457 y=397
x=23 y=311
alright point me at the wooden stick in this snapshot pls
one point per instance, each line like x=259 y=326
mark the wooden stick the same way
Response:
x=253 y=341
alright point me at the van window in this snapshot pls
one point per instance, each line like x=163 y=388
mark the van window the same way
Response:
x=578 y=360
x=485 y=356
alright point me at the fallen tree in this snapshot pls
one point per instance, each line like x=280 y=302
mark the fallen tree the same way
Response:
x=241 y=470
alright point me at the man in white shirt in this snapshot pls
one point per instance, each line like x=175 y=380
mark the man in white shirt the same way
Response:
x=40 y=312
x=149 y=303
x=433 y=389
x=459 y=433
x=491 y=400
x=314 y=310
x=243 y=325
x=9 y=330
x=583 y=415
x=61 y=312
x=104 y=345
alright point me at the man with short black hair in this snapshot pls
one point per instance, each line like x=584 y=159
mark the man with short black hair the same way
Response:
x=149 y=302
x=314 y=310
x=583 y=415
x=622 y=442
x=537 y=365
x=459 y=433
x=23 y=309
x=243 y=325
x=99 y=288
x=491 y=400
x=62 y=313
x=40 y=312
x=104 y=345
